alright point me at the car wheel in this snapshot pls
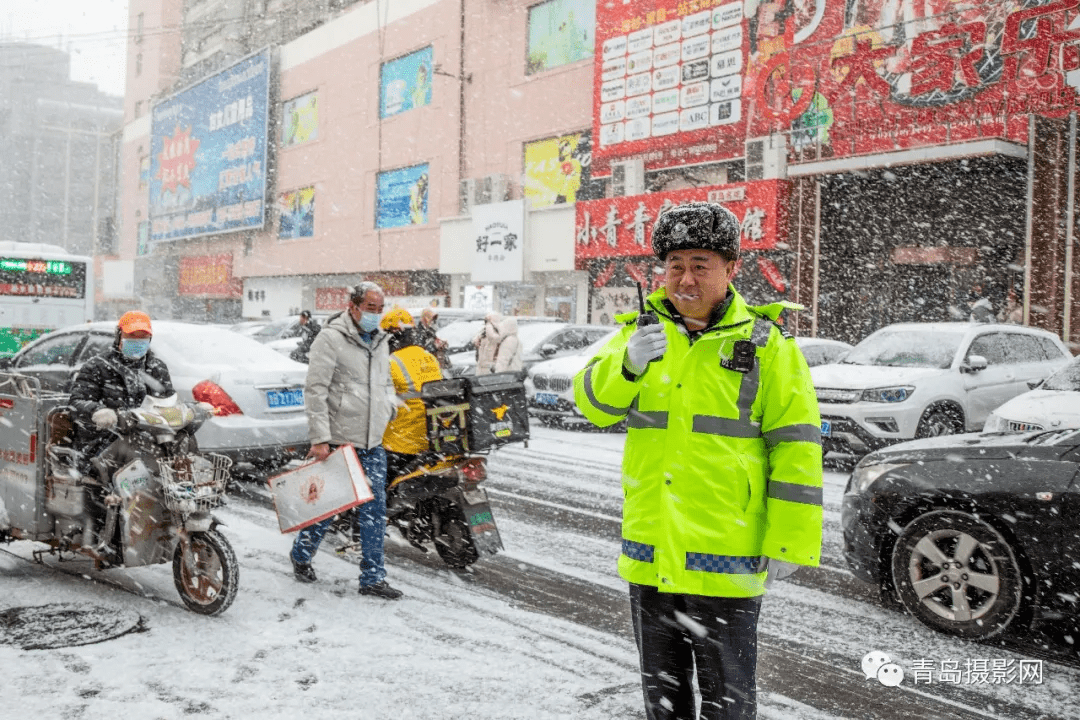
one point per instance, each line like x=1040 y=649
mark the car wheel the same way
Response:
x=957 y=574
x=938 y=421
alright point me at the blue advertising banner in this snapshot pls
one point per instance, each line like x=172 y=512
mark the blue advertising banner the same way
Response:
x=405 y=83
x=208 y=154
x=402 y=197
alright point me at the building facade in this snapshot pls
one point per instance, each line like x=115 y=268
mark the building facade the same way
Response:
x=515 y=154
x=387 y=124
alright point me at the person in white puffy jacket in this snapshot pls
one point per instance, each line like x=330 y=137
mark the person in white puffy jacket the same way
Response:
x=508 y=353
x=498 y=347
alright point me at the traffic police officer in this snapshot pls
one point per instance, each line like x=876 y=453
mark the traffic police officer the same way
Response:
x=722 y=474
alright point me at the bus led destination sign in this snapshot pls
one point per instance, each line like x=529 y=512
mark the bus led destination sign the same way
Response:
x=48 y=267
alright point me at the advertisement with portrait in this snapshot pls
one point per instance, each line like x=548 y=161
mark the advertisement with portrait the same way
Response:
x=557 y=170
x=296 y=213
x=300 y=120
x=560 y=32
x=402 y=197
x=208 y=154
x=209 y=276
x=405 y=82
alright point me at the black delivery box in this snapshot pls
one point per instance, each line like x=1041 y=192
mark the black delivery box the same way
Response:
x=498 y=413
x=447 y=415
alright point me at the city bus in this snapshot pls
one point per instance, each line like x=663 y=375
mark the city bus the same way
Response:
x=42 y=288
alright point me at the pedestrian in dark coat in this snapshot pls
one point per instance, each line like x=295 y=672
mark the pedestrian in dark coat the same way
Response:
x=309 y=328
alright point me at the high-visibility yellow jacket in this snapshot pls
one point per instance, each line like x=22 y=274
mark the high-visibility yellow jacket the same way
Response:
x=722 y=468
x=410 y=368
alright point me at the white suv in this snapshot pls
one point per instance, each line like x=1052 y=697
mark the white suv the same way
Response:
x=918 y=380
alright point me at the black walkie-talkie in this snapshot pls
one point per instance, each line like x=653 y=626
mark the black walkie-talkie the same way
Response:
x=644 y=318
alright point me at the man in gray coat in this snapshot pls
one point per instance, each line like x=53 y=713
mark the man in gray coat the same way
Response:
x=349 y=398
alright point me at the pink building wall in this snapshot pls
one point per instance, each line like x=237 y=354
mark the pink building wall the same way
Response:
x=160 y=49
x=505 y=108
x=344 y=161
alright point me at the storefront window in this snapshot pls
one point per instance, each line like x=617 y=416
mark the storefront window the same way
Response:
x=561 y=301
x=517 y=299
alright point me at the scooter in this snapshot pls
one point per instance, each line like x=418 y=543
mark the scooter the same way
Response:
x=154 y=508
x=437 y=501
x=441 y=502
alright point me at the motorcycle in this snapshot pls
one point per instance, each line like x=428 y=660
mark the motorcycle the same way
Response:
x=155 y=507
x=436 y=501
x=441 y=502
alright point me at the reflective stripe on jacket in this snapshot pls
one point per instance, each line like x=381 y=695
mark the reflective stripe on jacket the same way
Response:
x=410 y=367
x=722 y=469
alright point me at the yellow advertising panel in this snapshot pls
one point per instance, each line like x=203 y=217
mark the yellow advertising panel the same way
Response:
x=556 y=169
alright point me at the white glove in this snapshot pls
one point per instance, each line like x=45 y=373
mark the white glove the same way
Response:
x=205 y=407
x=646 y=344
x=104 y=418
x=778 y=570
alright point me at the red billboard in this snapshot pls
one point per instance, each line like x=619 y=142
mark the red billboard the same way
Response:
x=622 y=226
x=838 y=78
x=209 y=276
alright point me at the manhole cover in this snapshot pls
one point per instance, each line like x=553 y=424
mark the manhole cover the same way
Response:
x=58 y=625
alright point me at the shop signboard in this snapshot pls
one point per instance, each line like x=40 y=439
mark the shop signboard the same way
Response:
x=622 y=226
x=499 y=231
x=331 y=298
x=208 y=276
x=208 y=154
x=841 y=79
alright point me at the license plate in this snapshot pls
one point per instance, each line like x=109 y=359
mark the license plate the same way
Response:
x=547 y=399
x=285 y=398
x=826 y=428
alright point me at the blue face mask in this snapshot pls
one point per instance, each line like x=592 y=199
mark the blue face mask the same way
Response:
x=134 y=348
x=369 y=321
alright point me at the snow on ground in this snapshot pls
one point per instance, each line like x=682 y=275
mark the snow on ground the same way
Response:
x=284 y=649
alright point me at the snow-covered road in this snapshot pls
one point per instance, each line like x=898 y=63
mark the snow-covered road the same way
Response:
x=558 y=504
x=539 y=631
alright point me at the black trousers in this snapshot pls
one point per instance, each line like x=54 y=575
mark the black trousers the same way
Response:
x=676 y=633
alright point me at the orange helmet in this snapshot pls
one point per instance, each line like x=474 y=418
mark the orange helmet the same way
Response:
x=134 y=321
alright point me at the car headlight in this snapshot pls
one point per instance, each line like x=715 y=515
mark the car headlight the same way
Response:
x=994 y=423
x=865 y=475
x=896 y=394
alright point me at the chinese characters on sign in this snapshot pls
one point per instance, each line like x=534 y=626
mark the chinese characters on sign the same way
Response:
x=208 y=275
x=623 y=225
x=207 y=171
x=691 y=81
x=498 y=253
